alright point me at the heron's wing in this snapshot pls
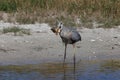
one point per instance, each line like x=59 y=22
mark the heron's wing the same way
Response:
x=75 y=36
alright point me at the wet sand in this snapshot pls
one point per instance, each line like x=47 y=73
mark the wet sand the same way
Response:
x=43 y=46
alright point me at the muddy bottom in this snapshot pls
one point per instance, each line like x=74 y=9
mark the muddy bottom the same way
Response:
x=84 y=70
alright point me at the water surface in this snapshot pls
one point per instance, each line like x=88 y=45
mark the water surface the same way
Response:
x=84 y=70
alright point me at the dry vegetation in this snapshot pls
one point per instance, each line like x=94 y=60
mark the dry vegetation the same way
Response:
x=106 y=12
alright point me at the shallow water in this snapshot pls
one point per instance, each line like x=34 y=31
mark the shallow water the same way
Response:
x=84 y=70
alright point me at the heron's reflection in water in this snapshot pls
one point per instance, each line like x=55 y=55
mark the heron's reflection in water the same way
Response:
x=72 y=68
x=66 y=75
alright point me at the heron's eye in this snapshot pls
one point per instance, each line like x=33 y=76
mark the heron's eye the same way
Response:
x=60 y=27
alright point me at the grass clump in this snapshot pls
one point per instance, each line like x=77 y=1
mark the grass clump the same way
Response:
x=8 y=6
x=16 y=31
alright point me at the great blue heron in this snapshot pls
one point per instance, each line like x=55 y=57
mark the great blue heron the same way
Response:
x=68 y=36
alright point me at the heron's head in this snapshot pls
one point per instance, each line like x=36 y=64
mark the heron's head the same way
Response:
x=58 y=28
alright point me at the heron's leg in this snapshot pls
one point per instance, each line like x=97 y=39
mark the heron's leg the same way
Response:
x=74 y=58
x=65 y=52
x=64 y=63
x=64 y=68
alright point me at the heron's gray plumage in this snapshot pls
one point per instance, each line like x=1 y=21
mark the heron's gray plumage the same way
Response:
x=68 y=36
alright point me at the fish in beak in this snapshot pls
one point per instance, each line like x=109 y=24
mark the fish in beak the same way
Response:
x=55 y=30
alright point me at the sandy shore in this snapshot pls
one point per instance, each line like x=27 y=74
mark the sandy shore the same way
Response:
x=44 y=46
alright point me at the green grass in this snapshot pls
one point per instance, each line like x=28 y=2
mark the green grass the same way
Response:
x=7 y=5
x=16 y=31
x=30 y=11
